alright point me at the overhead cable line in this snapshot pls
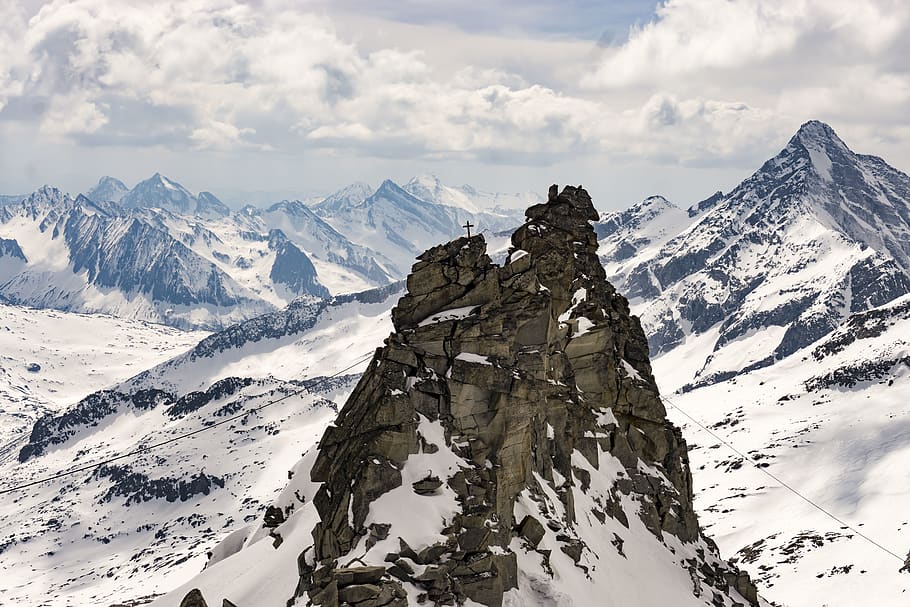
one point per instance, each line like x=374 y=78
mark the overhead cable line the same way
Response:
x=782 y=483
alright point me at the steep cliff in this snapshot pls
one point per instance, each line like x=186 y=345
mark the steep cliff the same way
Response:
x=507 y=446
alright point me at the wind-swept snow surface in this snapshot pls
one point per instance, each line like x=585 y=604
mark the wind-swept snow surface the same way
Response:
x=143 y=525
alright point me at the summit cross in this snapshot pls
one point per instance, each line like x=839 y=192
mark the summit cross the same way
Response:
x=468 y=225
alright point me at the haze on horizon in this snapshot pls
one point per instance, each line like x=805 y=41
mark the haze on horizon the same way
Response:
x=267 y=99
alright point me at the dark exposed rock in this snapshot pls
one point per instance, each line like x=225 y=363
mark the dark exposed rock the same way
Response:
x=848 y=376
x=504 y=359
x=552 y=193
x=865 y=325
x=196 y=400
x=708 y=203
x=427 y=486
x=358 y=575
x=133 y=256
x=531 y=529
x=193 y=598
x=137 y=487
x=273 y=517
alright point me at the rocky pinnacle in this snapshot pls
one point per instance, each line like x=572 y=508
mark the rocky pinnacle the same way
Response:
x=502 y=393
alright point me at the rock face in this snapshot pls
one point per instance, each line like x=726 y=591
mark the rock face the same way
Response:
x=293 y=269
x=512 y=411
x=10 y=248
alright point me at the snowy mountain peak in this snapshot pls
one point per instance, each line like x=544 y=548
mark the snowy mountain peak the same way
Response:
x=44 y=199
x=823 y=147
x=91 y=207
x=348 y=196
x=160 y=192
x=398 y=196
x=817 y=210
x=815 y=132
x=656 y=201
x=209 y=204
x=108 y=189
x=430 y=188
x=639 y=214
x=292 y=207
x=862 y=197
x=49 y=193
x=389 y=187
x=427 y=179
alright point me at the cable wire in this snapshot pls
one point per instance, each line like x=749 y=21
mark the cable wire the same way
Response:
x=362 y=359
x=780 y=482
x=179 y=437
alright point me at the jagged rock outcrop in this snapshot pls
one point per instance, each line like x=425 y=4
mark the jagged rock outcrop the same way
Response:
x=512 y=413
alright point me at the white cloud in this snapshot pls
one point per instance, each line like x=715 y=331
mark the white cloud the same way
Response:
x=223 y=136
x=710 y=38
x=707 y=81
x=234 y=66
x=12 y=24
x=73 y=114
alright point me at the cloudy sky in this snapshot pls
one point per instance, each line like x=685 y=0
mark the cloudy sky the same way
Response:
x=277 y=98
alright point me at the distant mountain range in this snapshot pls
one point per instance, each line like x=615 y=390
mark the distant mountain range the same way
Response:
x=159 y=252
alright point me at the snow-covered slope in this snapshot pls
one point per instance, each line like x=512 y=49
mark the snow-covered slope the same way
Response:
x=832 y=421
x=775 y=264
x=144 y=524
x=50 y=359
x=330 y=248
x=247 y=245
x=477 y=202
x=393 y=222
x=638 y=232
x=348 y=196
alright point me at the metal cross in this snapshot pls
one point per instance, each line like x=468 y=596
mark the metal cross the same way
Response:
x=468 y=227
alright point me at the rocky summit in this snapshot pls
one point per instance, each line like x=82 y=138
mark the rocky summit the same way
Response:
x=507 y=445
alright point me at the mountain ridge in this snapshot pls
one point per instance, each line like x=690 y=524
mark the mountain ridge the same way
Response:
x=731 y=269
x=458 y=413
